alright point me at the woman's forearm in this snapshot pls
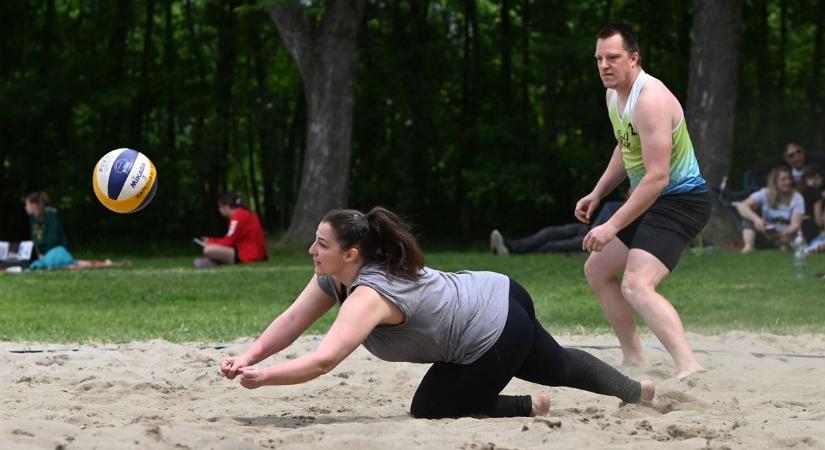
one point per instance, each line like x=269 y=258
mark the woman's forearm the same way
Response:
x=277 y=336
x=299 y=370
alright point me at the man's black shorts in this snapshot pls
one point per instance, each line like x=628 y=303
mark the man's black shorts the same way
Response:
x=668 y=225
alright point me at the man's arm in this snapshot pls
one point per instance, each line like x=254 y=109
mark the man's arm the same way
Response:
x=612 y=177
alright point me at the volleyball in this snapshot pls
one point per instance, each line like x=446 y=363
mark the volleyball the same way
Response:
x=125 y=180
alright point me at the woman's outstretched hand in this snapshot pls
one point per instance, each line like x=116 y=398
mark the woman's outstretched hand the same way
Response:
x=252 y=377
x=232 y=366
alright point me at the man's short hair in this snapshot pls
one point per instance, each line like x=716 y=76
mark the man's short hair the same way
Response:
x=631 y=44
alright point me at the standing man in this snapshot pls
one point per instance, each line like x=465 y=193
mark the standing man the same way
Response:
x=668 y=204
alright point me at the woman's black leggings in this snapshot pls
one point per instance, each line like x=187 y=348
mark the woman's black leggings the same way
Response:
x=524 y=350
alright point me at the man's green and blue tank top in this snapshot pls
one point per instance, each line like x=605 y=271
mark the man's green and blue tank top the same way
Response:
x=684 y=169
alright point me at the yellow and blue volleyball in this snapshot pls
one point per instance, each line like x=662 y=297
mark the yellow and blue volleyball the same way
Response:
x=125 y=180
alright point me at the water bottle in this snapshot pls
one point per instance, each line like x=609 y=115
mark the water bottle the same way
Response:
x=799 y=255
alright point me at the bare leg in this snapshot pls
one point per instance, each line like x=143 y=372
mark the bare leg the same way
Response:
x=648 y=391
x=219 y=253
x=89 y=264
x=749 y=236
x=642 y=275
x=602 y=270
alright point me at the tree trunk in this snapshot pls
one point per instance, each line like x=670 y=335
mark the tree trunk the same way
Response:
x=524 y=113
x=551 y=16
x=143 y=101
x=782 y=85
x=293 y=144
x=506 y=44
x=169 y=61
x=269 y=125
x=326 y=55
x=254 y=199
x=469 y=108
x=219 y=143
x=816 y=111
x=711 y=97
x=766 y=97
x=607 y=12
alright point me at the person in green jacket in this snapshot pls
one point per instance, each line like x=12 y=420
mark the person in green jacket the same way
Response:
x=50 y=242
x=46 y=229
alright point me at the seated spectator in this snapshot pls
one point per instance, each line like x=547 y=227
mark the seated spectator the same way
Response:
x=813 y=192
x=795 y=158
x=773 y=214
x=565 y=238
x=244 y=240
x=44 y=223
x=50 y=242
x=817 y=244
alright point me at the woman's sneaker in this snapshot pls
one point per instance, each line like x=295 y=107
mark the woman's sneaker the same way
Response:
x=497 y=244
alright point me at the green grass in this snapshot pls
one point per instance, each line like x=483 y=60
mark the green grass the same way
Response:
x=164 y=297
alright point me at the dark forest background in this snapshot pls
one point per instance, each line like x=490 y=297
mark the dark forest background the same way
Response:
x=467 y=114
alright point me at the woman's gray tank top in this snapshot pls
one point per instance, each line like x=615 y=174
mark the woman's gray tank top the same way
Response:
x=448 y=316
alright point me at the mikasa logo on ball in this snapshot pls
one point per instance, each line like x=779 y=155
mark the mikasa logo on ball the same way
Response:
x=137 y=177
x=122 y=166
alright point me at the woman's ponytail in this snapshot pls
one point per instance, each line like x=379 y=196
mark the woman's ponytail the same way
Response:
x=382 y=237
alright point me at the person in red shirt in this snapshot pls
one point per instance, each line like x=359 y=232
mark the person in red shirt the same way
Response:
x=244 y=240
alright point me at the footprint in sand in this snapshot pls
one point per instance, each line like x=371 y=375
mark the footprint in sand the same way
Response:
x=53 y=360
x=796 y=442
x=681 y=432
x=658 y=373
x=200 y=360
x=35 y=379
x=669 y=401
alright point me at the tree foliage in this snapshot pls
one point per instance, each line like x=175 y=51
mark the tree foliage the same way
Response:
x=468 y=114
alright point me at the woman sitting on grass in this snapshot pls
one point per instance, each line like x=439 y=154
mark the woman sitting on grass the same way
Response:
x=773 y=214
x=50 y=242
x=244 y=241
x=479 y=329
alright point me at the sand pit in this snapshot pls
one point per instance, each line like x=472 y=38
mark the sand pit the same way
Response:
x=761 y=391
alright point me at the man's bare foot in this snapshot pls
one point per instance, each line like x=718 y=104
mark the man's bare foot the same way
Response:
x=690 y=370
x=648 y=391
x=634 y=361
x=541 y=404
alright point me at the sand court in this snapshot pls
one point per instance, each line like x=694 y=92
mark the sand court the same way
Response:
x=760 y=391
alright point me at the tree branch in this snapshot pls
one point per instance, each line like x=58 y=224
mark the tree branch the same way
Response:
x=296 y=31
